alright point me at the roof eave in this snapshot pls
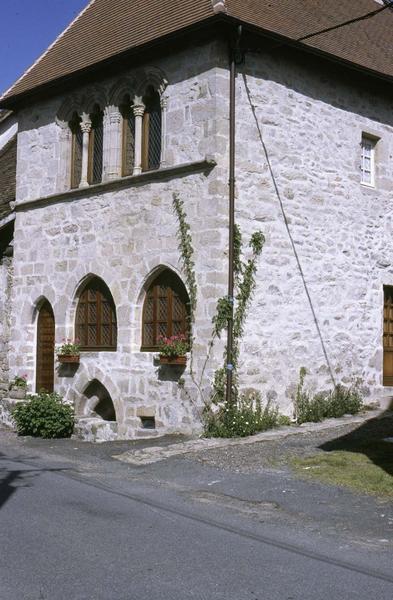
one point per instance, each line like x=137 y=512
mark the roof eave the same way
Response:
x=16 y=101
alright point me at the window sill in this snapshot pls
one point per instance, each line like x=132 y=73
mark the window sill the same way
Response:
x=199 y=166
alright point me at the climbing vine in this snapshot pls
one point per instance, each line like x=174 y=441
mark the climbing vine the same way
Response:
x=186 y=253
x=244 y=277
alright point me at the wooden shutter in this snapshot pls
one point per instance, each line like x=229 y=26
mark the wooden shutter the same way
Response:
x=45 y=348
x=165 y=310
x=388 y=336
x=96 y=326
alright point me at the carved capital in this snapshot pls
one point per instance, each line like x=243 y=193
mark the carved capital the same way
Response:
x=86 y=126
x=139 y=110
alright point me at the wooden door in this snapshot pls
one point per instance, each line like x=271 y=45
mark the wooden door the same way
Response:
x=45 y=348
x=388 y=336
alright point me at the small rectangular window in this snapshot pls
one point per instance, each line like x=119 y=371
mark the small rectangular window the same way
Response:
x=367 y=165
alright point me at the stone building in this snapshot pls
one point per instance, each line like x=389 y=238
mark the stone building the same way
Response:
x=108 y=132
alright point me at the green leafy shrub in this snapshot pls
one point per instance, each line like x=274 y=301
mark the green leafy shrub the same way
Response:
x=45 y=416
x=245 y=417
x=334 y=403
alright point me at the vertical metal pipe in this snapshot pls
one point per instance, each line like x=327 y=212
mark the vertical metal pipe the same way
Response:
x=234 y=51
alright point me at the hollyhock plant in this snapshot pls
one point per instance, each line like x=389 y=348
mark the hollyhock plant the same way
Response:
x=176 y=345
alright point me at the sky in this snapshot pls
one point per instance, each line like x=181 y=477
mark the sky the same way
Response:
x=27 y=28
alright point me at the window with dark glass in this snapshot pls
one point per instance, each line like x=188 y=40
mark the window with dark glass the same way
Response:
x=128 y=145
x=96 y=147
x=151 y=132
x=96 y=326
x=165 y=310
x=76 y=151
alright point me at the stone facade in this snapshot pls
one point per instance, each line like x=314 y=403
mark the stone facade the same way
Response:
x=319 y=298
x=319 y=295
x=124 y=234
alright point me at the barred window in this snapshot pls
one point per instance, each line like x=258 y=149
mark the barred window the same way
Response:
x=128 y=144
x=165 y=310
x=76 y=152
x=151 y=134
x=96 y=146
x=96 y=326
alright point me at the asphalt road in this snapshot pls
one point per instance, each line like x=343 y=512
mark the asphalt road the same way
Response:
x=102 y=530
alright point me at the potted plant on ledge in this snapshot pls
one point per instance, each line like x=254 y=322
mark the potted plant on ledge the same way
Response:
x=18 y=387
x=68 y=352
x=173 y=349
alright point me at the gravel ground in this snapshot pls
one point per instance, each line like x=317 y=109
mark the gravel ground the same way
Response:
x=256 y=457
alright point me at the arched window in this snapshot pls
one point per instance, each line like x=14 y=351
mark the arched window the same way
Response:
x=165 y=310
x=76 y=151
x=128 y=137
x=96 y=326
x=151 y=134
x=96 y=146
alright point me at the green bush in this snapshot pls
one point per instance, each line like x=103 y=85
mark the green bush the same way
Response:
x=245 y=417
x=325 y=405
x=44 y=416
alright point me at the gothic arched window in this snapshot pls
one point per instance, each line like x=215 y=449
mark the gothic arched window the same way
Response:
x=96 y=146
x=151 y=132
x=96 y=326
x=128 y=138
x=76 y=151
x=165 y=310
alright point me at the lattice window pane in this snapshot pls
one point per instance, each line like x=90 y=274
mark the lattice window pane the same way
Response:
x=76 y=166
x=106 y=312
x=177 y=328
x=98 y=147
x=149 y=309
x=105 y=335
x=92 y=312
x=92 y=335
x=162 y=309
x=128 y=142
x=155 y=139
x=177 y=308
x=148 y=330
x=162 y=330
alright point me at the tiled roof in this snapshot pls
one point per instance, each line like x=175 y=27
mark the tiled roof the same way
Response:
x=107 y=28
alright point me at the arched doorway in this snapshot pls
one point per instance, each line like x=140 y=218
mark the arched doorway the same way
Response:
x=45 y=348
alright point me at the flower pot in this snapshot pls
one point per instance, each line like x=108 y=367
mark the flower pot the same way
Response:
x=68 y=358
x=173 y=360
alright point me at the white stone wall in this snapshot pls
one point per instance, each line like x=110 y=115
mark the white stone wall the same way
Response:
x=339 y=230
x=312 y=122
x=123 y=236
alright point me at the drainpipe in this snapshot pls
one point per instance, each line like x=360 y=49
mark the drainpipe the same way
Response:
x=235 y=59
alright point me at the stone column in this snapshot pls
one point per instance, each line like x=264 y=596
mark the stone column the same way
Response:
x=139 y=110
x=86 y=128
x=112 y=158
x=164 y=104
x=65 y=151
